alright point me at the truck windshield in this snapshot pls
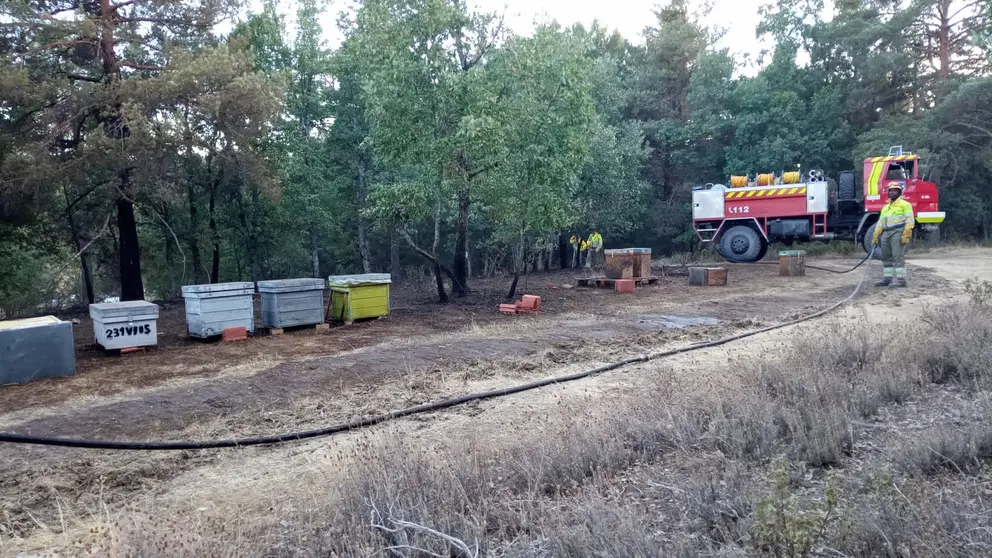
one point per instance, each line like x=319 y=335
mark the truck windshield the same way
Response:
x=900 y=170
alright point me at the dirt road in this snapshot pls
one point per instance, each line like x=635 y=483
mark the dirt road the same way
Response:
x=186 y=390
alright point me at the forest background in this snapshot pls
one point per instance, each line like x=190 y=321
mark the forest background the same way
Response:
x=150 y=144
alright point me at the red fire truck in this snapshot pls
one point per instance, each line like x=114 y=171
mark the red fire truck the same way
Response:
x=742 y=219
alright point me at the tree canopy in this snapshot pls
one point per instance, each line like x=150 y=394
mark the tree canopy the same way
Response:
x=144 y=145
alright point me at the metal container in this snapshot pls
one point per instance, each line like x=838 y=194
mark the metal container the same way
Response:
x=210 y=309
x=35 y=348
x=292 y=302
x=120 y=325
x=354 y=297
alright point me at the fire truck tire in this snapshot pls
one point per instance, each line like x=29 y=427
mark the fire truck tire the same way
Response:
x=866 y=243
x=742 y=244
x=846 y=188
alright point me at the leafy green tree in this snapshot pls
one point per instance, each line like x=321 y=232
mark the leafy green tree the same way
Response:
x=423 y=63
x=546 y=120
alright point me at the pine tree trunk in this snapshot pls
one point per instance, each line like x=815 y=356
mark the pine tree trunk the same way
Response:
x=214 y=236
x=194 y=241
x=394 y=256
x=518 y=265
x=84 y=261
x=460 y=284
x=314 y=253
x=363 y=235
x=132 y=287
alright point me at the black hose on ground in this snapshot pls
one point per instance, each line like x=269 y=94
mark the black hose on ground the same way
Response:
x=12 y=438
x=861 y=263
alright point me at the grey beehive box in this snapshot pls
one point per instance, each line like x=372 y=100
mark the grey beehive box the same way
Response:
x=120 y=325
x=35 y=348
x=210 y=309
x=292 y=302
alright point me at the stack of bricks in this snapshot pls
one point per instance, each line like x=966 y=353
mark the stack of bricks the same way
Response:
x=529 y=303
x=625 y=285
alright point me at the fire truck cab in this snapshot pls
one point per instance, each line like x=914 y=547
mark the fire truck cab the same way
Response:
x=741 y=220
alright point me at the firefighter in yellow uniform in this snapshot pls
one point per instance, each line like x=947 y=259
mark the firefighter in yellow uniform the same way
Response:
x=892 y=234
x=595 y=249
x=574 y=241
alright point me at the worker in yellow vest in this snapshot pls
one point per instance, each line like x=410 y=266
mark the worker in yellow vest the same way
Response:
x=583 y=253
x=892 y=233
x=595 y=250
x=574 y=241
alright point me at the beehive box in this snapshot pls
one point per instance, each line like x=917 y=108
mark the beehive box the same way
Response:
x=708 y=276
x=210 y=309
x=120 y=325
x=617 y=260
x=636 y=260
x=792 y=263
x=355 y=297
x=292 y=302
x=35 y=348
x=642 y=262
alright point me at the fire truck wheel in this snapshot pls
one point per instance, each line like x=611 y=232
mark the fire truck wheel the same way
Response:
x=741 y=244
x=866 y=243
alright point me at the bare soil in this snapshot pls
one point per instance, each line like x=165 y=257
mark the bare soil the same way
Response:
x=189 y=389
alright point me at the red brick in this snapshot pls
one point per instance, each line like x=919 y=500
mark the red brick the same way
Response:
x=625 y=285
x=508 y=308
x=127 y=350
x=235 y=334
x=531 y=302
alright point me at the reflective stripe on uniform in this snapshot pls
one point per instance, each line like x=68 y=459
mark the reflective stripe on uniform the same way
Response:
x=889 y=272
x=897 y=214
x=900 y=273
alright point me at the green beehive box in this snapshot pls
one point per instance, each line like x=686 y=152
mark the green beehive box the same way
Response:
x=355 y=297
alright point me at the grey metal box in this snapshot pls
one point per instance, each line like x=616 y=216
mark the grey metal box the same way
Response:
x=292 y=302
x=35 y=348
x=119 y=325
x=210 y=309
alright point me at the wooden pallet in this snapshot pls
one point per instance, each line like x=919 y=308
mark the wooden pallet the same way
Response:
x=279 y=331
x=603 y=281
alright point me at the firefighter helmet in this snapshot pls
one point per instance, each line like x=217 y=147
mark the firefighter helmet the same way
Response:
x=897 y=186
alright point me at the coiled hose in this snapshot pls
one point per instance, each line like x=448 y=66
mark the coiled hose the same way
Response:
x=12 y=438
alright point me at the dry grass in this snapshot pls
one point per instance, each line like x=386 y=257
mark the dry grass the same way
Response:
x=626 y=480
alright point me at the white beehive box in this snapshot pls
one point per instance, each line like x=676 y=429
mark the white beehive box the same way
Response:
x=119 y=325
x=292 y=302
x=210 y=309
